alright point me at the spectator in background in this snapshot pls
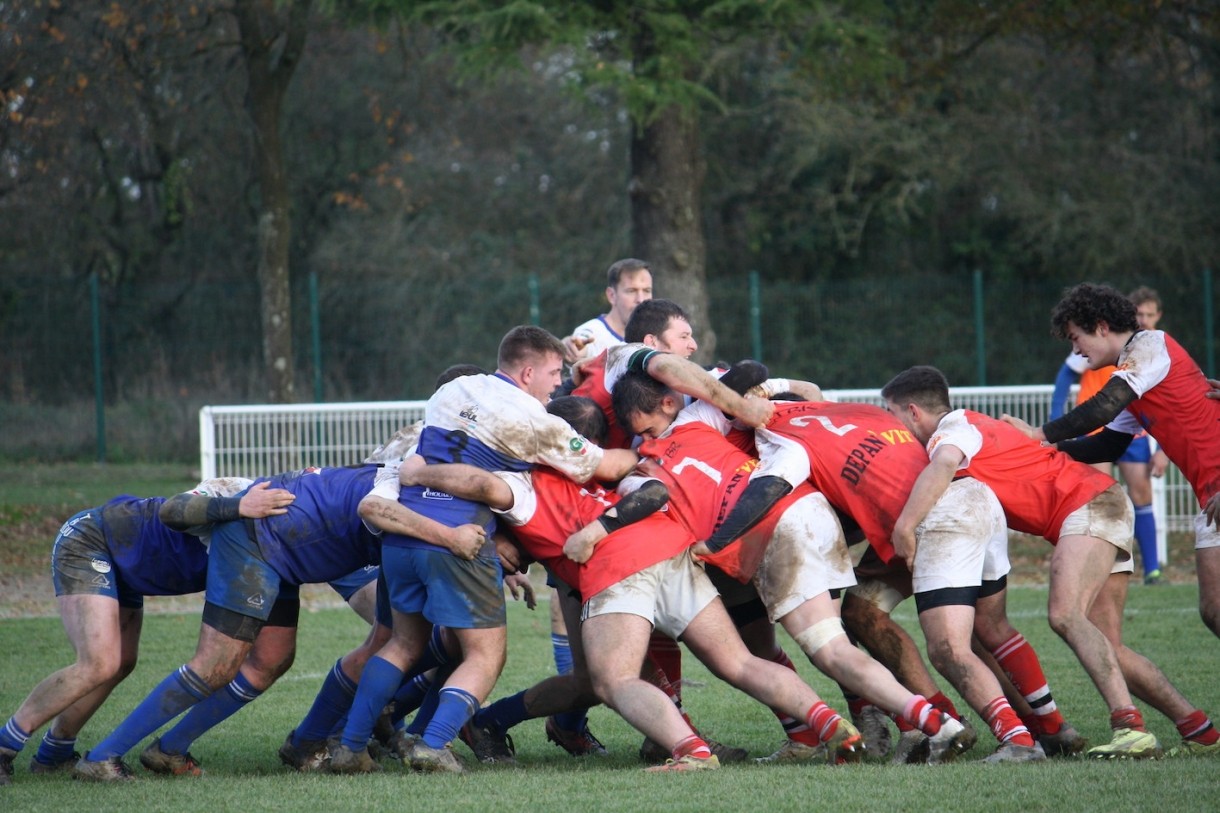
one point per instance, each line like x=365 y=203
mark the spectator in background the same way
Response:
x=1139 y=464
x=628 y=283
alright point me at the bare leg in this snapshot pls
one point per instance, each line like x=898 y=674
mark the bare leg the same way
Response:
x=105 y=638
x=1080 y=567
x=713 y=639
x=615 y=644
x=1207 y=565
x=889 y=644
x=483 y=654
x=948 y=631
x=1144 y=678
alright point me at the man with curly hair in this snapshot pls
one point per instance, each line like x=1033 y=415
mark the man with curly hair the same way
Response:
x=1157 y=387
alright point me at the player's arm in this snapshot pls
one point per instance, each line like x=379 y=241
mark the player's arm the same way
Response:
x=460 y=480
x=1094 y=413
x=1064 y=380
x=644 y=501
x=760 y=496
x=929 y=486
x=391 y=516
x=1106 y=446
x=690 y=379
x=194 y=510
x=615 y=465
x=805 y=390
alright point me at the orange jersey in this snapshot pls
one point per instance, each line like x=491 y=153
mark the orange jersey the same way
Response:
x=1093 y=380
x=564 y=507
x=1090 y=382
x=593 y=385
x=1172 y=406
x=1037 y=485
x=858 y=455
x=706 y=475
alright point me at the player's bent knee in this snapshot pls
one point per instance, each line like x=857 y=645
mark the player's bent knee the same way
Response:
x=817 y=636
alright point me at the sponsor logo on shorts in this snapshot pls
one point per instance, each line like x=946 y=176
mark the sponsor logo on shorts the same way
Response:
x=256 y=600
x=429 y=494
x=101 y=581
x=100 y=565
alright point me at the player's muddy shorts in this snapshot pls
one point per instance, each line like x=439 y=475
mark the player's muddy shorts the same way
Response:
x=668 y=594
x=446 y=590
x=807 y=556
x=1206 y=534
x=963 y=541
x=81 y=564
x=1108 y=516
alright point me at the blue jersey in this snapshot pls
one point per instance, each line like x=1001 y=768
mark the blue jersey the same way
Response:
x=322 y=537
x=489 y=422
x=148 y=557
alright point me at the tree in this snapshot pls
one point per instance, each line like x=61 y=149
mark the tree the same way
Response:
x=272 y=40
x=660 y=60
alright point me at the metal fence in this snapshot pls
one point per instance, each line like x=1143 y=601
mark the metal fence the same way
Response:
x=257 y=440
x=251 y=441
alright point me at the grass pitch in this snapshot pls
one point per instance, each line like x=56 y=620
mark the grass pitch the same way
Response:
x=244 y=773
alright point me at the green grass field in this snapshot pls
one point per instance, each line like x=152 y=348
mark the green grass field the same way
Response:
x=243 y=772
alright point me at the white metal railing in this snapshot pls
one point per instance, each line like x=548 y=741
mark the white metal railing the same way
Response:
x=251 y=441
x=254 y=441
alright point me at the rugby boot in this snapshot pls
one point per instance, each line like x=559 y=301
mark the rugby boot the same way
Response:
x=577 y=743
x=686 y=763
x=113 y=769
x=489 y=744
x=309 y=756
x=1128 y=744
x=1066 y=742
x=953 y=739
x=345 y=760
x=1012 y=752
x=158 y=761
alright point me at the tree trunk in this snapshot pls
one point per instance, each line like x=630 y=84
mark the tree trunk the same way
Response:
x=667 y=172
x=272 y=45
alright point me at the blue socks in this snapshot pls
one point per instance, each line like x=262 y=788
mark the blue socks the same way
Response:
x=504 y=713
x=334 y=700
x=1145 y=535
x=454 y=708
x=174 y=695
x=12 y=736
x=563 y=653
x=54 y=751
x=378 y=683
x=427 y=708
x=208 y=714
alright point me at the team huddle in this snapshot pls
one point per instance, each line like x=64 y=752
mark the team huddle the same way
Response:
x=667 y=503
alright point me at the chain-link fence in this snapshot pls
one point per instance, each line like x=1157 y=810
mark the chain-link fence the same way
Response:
x=151 y=355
